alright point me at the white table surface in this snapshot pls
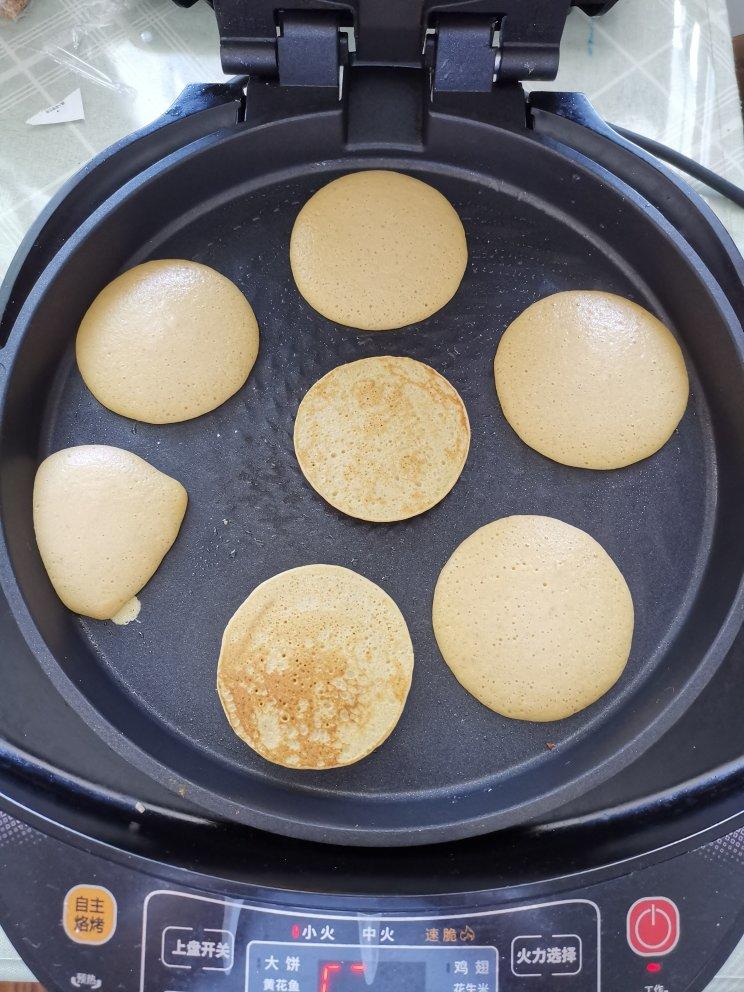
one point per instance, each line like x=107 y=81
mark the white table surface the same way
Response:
x=663 y=68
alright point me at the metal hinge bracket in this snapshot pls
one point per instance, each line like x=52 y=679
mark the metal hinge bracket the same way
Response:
x=310 y=49
x=467 y=45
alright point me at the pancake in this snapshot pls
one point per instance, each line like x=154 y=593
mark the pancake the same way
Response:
x=533 y=617
x=591 y=380
x=315 y=667
x=104 y=520
x=382 y=438
x=378 y=250
x=128 y=613
x=167 y=341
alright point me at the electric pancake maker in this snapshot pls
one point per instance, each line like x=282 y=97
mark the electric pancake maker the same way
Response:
x=142 y=845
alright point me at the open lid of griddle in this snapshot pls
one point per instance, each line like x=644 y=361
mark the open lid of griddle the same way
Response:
x=469 y=44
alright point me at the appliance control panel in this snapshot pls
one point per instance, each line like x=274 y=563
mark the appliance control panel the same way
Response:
x=82 y=920
x=255 y=949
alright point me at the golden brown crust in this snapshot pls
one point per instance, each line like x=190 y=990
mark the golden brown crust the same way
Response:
x=315 y=667
x=382 y=438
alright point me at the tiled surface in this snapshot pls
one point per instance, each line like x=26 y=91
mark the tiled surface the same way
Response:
x=731 y=977
x=12 y=968
x=660 y=67
x=663 y=68
x=130 y=59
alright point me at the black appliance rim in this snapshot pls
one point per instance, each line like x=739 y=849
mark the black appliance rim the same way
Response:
x=726 y=634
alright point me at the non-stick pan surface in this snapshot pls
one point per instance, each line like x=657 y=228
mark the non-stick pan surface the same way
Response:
x=537 y=221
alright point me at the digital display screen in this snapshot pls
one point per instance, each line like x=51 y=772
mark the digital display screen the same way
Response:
x=382 y=976
x=312 y=966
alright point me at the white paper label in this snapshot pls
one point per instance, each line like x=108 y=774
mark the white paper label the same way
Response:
x=69 y=109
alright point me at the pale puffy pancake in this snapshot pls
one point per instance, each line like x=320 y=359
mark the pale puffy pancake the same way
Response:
x=591 y=380
x=104 y=520
x=382 y=438
x=378 y=250
x=533 y=617
x=315 y=667
x=167 y=341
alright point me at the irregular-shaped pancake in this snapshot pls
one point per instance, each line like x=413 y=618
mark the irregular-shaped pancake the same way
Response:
x=104 y=520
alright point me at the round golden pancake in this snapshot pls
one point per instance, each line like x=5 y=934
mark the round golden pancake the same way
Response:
x=104 y=520
x=378 y=250
x=315 y=667
x=591 y=380
x=167 y=341
x=533 y=617
x=382 y=438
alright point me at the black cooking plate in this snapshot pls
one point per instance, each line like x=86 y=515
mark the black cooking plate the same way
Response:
x=539 y=218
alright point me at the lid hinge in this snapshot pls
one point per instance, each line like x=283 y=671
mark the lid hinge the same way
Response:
x=469 y=53
x=310 y=49
x=467 y=45
x=302 y=48
x=530 y=40
x=461 y=55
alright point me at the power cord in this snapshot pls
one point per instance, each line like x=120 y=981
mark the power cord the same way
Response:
x=730 y=190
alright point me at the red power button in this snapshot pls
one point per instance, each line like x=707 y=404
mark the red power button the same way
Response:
x=653 y=926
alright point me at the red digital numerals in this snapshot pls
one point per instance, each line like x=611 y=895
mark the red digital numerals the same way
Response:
x=330 y=968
